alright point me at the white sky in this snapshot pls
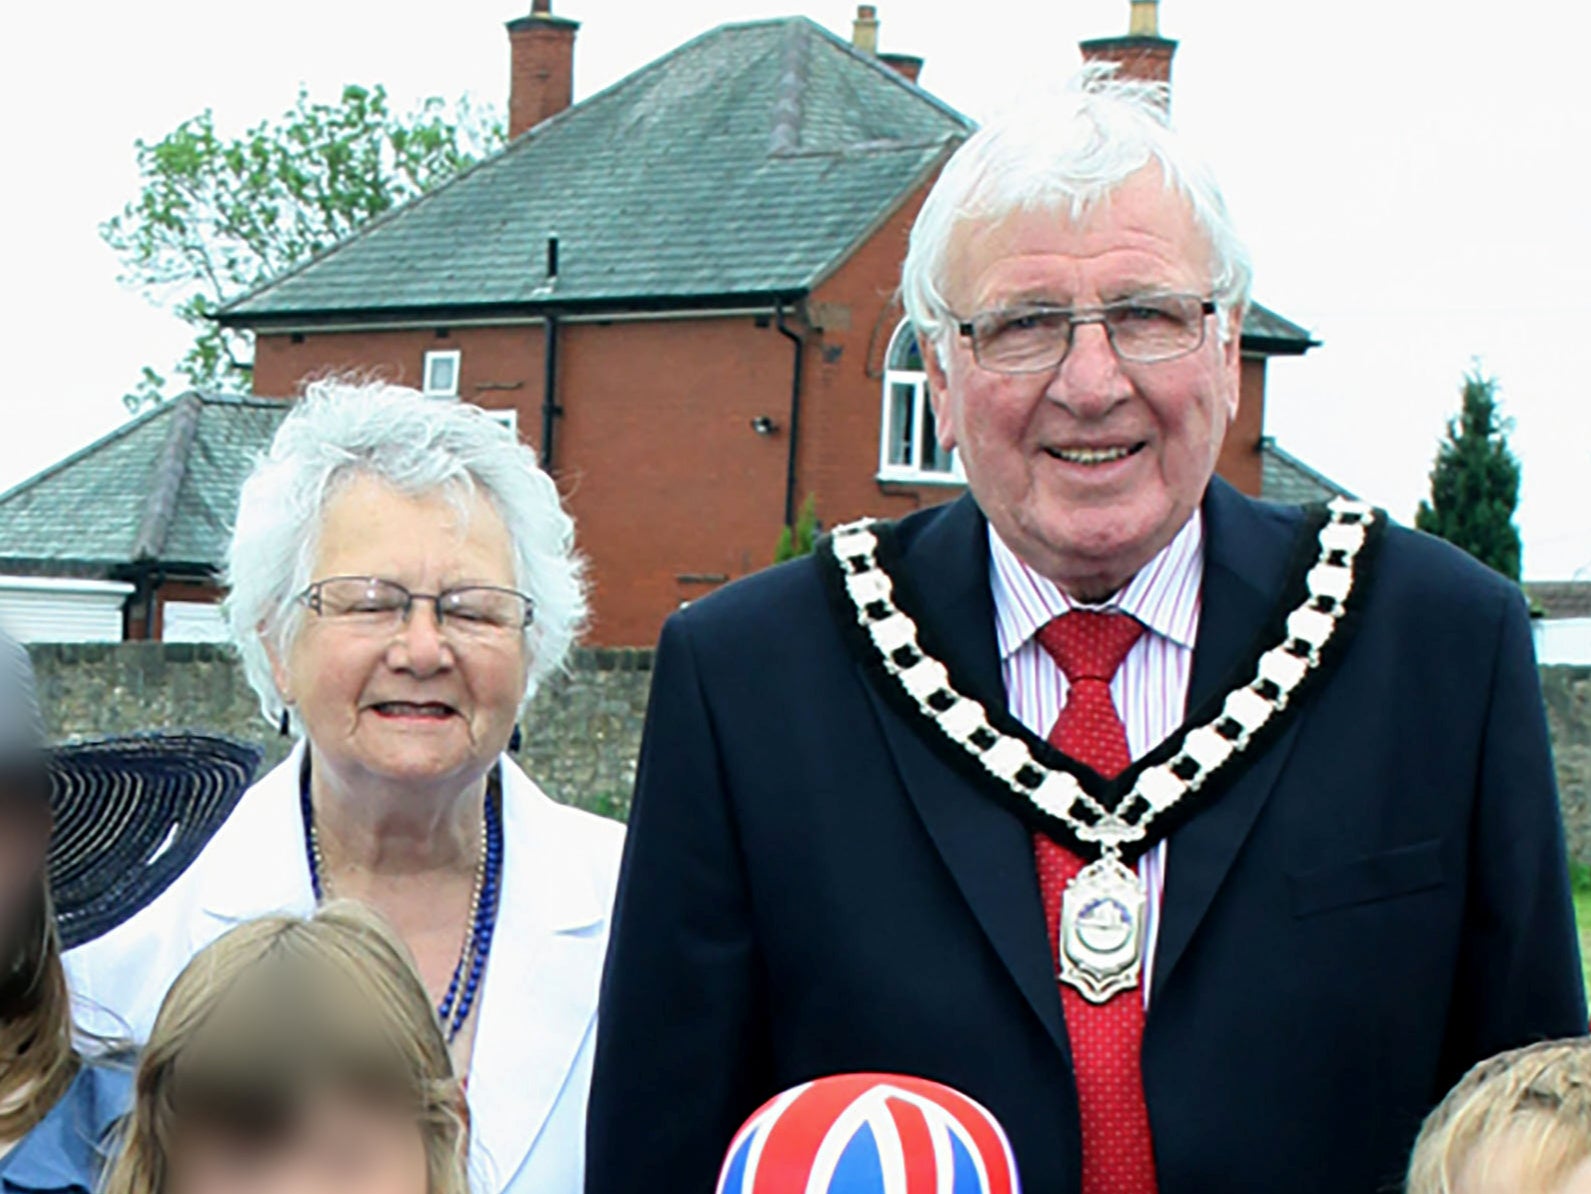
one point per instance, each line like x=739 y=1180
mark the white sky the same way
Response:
x=1410 y=178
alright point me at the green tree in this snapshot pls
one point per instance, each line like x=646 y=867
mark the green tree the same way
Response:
x=1475 y=481
x=217 y=216
x=800 y=539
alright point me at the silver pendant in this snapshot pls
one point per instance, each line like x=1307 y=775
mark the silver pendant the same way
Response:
x=1102 y=928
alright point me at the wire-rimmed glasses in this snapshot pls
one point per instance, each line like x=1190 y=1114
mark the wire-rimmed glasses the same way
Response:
x=376 y=605
x=1035 y=337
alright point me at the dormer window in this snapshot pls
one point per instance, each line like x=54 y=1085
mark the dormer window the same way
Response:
x=908 y=443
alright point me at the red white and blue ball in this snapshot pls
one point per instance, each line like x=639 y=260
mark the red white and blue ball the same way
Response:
x=870 y=1134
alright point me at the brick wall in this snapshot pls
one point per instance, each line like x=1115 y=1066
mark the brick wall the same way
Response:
x=1240 y=460
x=858 y=314
x=581 y=735
x=672 y=490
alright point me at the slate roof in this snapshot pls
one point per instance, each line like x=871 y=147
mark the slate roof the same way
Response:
x=748 y=162
x=1560 y=598
x=1285 y=478
x=162 y=487
x=1269 y=334
x=746 y=165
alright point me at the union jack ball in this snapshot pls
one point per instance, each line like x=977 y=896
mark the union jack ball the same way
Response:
x=870 y=1134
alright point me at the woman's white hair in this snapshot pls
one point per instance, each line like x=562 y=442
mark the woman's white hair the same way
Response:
x=341 y=430
x=1066 y=160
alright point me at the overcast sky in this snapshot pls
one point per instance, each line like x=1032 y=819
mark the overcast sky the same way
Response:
x=1410 y=178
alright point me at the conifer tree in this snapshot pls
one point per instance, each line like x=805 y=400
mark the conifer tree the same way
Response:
x=800 y=539
x=1475 y=481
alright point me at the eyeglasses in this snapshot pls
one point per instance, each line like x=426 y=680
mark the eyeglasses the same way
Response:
x=1036 y=338
x=372 y=604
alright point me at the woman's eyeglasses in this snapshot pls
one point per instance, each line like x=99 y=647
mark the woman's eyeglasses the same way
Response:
x=371 y=603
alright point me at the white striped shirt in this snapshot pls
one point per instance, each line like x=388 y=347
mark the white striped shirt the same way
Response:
x=1150 y=689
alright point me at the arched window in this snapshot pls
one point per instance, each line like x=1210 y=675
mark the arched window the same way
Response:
x=908 y=446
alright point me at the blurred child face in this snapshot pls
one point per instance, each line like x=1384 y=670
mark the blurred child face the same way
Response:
x=1509 y=1168
x=24 y=837
x=342 y=1148
x=1579 y=1181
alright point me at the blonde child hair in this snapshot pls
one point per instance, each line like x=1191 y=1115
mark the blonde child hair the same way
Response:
x=1520 y=1121
x=277 y=1014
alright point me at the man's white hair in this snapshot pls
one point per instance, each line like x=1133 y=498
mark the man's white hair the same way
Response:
x=1066 y=160
x=342 y=430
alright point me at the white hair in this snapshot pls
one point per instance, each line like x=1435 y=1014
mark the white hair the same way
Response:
x=342 y=430
x=1038 y=158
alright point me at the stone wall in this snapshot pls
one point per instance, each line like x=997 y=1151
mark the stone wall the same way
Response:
x=1568 y=695
x=581 y=734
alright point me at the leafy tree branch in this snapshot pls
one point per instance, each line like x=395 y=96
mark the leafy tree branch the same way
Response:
x=216 y=217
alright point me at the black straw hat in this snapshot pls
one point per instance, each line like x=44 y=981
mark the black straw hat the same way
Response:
x=131 y=814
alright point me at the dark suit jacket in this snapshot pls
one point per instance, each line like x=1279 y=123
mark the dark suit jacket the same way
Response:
x=808 y=888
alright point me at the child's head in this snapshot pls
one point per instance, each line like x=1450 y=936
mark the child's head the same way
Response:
x=294 y=1057
x=1517 y=1124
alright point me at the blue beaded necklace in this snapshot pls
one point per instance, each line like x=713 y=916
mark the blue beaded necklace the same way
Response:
x=456 y=1006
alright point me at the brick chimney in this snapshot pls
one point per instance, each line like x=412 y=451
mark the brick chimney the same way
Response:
x=903 y=64
x=1143 y=53
x=541 y=49
x=864 y=36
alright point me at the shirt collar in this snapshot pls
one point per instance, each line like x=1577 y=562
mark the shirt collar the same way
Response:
x=64 y=1153
x=1164 y=595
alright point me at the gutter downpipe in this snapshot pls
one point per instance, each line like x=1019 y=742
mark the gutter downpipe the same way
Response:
x=550 y=410
x=795 y=413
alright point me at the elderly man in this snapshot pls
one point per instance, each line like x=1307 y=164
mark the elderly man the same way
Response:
x=1204 y=842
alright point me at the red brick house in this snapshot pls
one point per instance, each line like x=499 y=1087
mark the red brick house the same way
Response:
x=681 y=290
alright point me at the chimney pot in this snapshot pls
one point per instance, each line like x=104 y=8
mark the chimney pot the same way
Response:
x=541 y=50
x=864 y=33
x=1145 y=19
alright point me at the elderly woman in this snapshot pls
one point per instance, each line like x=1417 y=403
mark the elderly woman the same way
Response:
x=403 y=578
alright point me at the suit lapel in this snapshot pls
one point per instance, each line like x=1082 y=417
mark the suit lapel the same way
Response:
x=538 y=1003
x=989 y=851
x=1245 y=567
x=257 y=863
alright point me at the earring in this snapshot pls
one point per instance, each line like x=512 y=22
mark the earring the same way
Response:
x=515 y=740
x=285 y=728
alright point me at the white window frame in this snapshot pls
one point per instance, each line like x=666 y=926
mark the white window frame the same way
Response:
x=508 y=417
x=911 y=471
x=452 y=355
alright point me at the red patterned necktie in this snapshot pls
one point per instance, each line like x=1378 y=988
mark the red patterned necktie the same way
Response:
x=1106 y=1039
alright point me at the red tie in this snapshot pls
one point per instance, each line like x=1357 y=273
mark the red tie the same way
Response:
x=1106 y=1039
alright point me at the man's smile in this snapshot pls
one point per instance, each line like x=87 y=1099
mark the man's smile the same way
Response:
x=1096 y=455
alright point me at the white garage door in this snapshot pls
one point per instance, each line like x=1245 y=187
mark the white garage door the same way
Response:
x=47 y=610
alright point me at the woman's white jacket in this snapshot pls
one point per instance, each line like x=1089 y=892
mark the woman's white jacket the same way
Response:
x=531 y=1066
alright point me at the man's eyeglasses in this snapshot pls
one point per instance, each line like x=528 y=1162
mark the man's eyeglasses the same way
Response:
x=1035 y=338
x=381 y=606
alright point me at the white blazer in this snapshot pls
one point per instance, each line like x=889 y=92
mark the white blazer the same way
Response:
x=531 y=1069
